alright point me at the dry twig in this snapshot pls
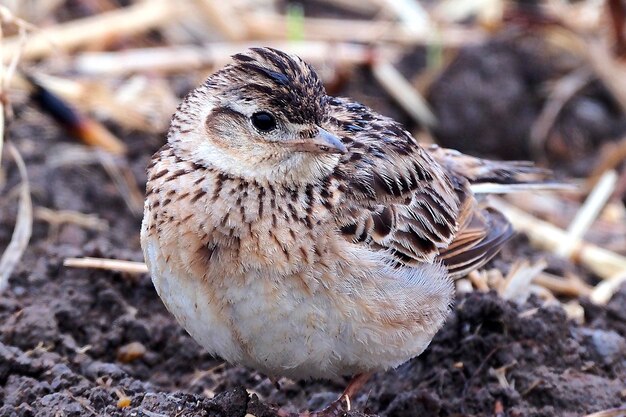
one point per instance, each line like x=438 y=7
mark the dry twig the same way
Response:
x=107 y=264
x=358 y=6
x=565 y=88
x=516 y=285
x=548 y=237
x=568 y=286
x=23 y=224
x=80 y=125
x=604 y=291
x=6 y=74
x=410 y=13
x=125 y=182
x=588 y=212
x=403 y=92
x=608 y=69
x=224 y=18
x=59 y=217
x=479 y=280
x=612 y=155
x=130 y=20
x=274 y=26
x=215 y=54
x=613 y=412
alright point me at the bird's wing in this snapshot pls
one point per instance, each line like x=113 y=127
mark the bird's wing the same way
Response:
x=396 y=196
x=485 y=230
x=477 y=242
x=417 y=203
x=486 y=171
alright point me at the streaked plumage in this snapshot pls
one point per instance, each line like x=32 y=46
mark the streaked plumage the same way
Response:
x=323 y=246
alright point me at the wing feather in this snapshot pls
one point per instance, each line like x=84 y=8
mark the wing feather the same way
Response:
x=397 y=197
x=415 y=203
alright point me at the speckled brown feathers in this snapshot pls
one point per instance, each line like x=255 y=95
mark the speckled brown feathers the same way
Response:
x=306 y=235
x=416 y=202
x=387 y=192
x=394 y=198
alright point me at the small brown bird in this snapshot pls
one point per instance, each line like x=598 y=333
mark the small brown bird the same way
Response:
x=307 y=236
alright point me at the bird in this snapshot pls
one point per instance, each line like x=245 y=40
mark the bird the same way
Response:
x=307 y=236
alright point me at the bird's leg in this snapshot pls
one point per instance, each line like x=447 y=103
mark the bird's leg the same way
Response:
x=275 y=381
x=336 y=408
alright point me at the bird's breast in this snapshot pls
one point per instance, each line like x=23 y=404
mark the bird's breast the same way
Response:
x=237 y=224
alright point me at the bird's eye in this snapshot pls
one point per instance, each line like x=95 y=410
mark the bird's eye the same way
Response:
x=264 y=121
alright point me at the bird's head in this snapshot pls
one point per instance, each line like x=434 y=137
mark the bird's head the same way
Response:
x=263 y=117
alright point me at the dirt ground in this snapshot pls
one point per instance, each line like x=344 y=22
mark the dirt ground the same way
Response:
x=77 y=342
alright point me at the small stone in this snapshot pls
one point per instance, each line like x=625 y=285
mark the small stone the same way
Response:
x=609 y=345
x=130 y=352
x=123 y=402
x=97 y=369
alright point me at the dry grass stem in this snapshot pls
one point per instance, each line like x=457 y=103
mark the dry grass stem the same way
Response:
x=80 y=125
x=608 y=231
x=2 y=125
x=403 y=92
x=130 y=267
x=516 y=286
x=124 y=180
x=23 y=224
x=358 y=6
x=464 y=286
x=549 y=206
x=139 y=103
x=223 y=17
x=478 y=280
x=574 y=311
x=564 y=89
x=69 y=154
x=274 y=26
x=569 y=286
x=6 y=74
x=486 y=11
x=613 y=412
x=612 y=154
x=604 y=291
x=142 y=16
x=500 y=374
x=546 y=236
x=588 y=212
x=24 y=221
x=187 y=57
x=493 y=188
x=59 y=217
x=610 y=70
x=7 y=16
x=93 y=133
x=411 y=13
x=33 y=10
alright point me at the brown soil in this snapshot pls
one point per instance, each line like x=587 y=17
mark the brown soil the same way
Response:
x=65 y=333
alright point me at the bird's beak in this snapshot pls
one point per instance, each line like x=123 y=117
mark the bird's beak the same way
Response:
x=323 y=142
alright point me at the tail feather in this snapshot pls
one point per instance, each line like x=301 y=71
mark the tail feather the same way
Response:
x=483 y=231
x=479 y=171
x=476 y=243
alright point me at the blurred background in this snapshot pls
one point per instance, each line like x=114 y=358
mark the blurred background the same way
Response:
x=89 y=87
x=87 y=91
x=510 y=79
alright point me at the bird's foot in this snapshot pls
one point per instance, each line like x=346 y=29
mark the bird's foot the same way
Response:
x=337 y=408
